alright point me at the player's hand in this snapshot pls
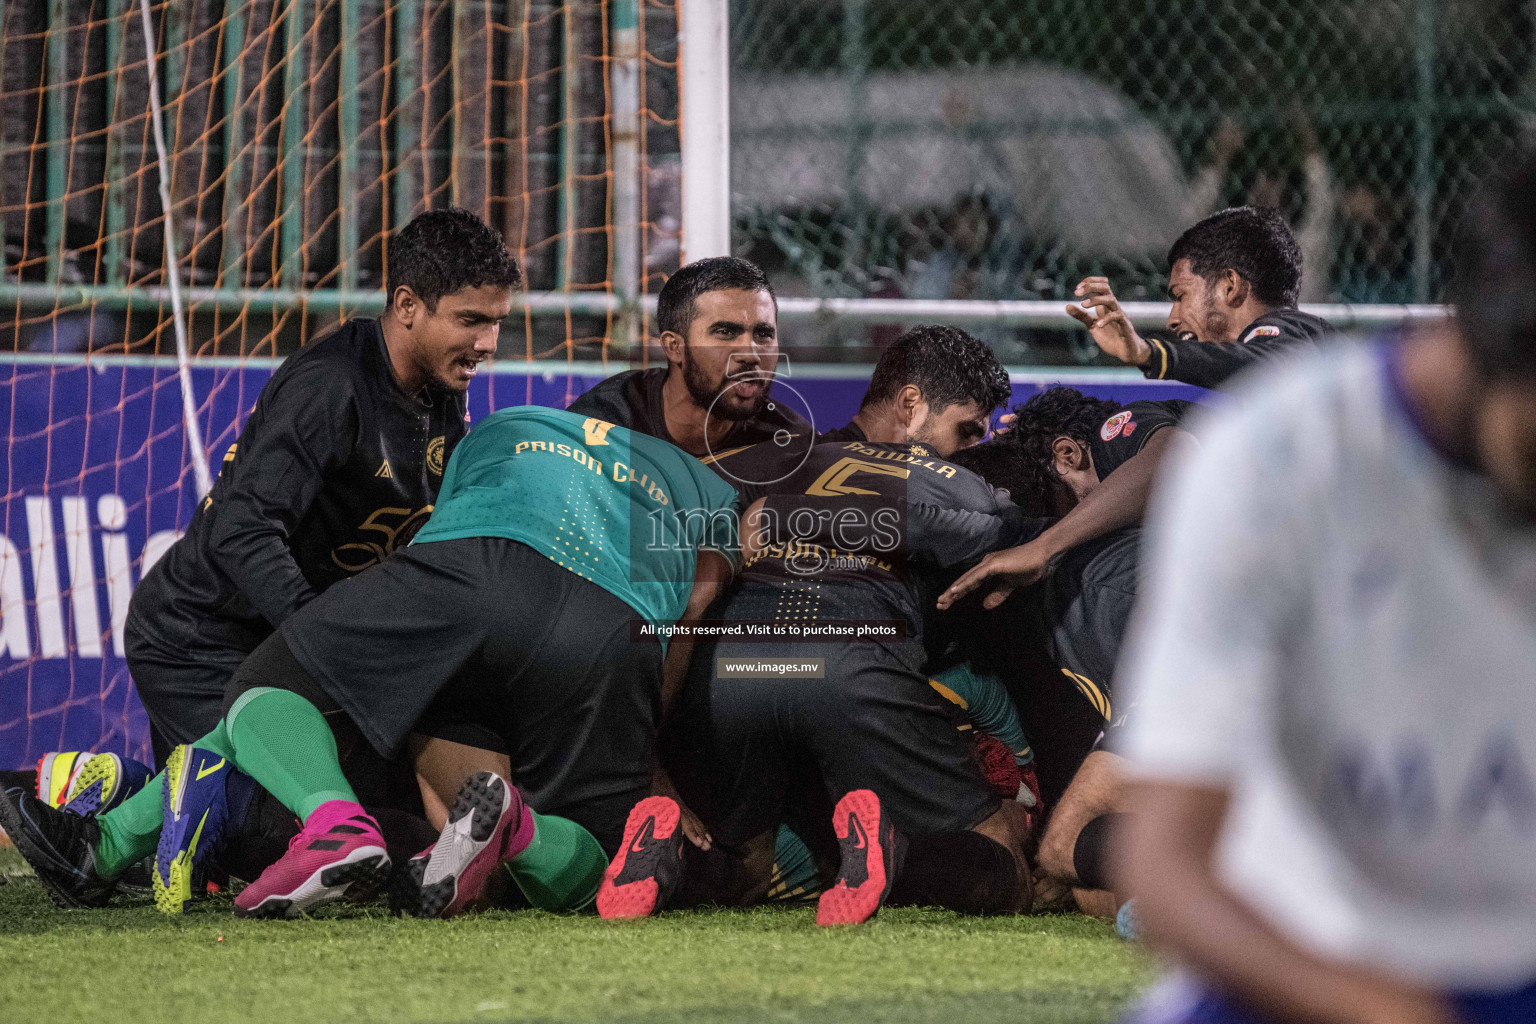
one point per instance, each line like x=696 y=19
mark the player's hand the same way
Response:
x=693 y=828
x=1100 y=312
x=1003 y=571
x=1005 y=423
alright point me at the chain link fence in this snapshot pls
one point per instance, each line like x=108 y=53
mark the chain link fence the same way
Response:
x=301 y=133
x=1004 y=149
x=903 y=149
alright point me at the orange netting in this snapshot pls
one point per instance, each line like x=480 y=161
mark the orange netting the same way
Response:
x=301 y=133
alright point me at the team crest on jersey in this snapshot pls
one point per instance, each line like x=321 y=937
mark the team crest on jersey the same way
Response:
x=1130 y=428
x=1262 y=332
x=435 y=454
x=1116 y=423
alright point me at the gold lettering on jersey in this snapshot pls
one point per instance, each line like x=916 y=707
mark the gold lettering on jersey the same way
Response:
x=820 y=559
x=393 y=526
x=624 y=474
x=384 y=471
x=435 y=449
x=834 y=481
x=945 y=471
x=596 y=430
x=555 y=448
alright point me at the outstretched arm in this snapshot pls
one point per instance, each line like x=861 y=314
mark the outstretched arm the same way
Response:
x=1168 y=863
x=1120 y=500
x=1208 y=364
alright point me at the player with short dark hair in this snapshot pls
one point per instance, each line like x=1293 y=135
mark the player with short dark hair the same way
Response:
x=873 y=736
x=338 y=464
x=1088 y=461
x=1233 y=278
x=949 y=366
x=1078 y=616
x=1253 y=241
x=1334 y=744
x=515 y=608
x=718 y=319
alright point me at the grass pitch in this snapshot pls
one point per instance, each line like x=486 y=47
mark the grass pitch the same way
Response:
x=130 y=964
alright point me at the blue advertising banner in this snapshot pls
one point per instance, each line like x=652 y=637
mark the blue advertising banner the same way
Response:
x=98 y=486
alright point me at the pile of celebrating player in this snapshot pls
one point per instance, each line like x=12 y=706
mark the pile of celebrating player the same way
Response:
x=394 y=657
x=391 y=654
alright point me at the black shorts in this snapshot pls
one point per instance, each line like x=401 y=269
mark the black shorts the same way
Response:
x=488 y=631
x=182 y=690
x=756 y=752
x=1088 y=604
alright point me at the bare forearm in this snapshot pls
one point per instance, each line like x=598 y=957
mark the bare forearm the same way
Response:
x=1221 y=939
x=1119 y=501
x=1168 y=862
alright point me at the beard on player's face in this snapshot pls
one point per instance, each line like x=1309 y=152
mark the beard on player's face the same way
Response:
x=952 y=428
x=1214 y=322
x=731 y=398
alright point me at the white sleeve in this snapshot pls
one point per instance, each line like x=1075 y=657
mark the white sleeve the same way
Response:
x=1220 y=596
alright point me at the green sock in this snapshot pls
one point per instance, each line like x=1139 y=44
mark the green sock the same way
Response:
x=283 y=742
x=131 y=830
x=560 y=870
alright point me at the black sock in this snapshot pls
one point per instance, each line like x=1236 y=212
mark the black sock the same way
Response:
x=253 y=841
x=708 y=876
x=1090 y=856
x=405 y=834
x=964 y=871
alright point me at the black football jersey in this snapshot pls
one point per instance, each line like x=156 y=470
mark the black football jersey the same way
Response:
x=335 y=468
x=861 y=530
x=1209 y=363
x=633 y=399
x=1126 y=432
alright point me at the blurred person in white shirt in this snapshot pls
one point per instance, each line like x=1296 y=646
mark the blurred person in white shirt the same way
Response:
x=1333 y=664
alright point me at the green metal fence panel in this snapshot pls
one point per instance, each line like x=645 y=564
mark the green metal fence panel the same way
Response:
x=1004 y=149
x=976 y=150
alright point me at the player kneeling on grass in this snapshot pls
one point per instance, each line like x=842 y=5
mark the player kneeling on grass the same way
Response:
x=1079 y=614
x=512 y=609
x=914 y=819
x=1335 y=740
x=1092 y=463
